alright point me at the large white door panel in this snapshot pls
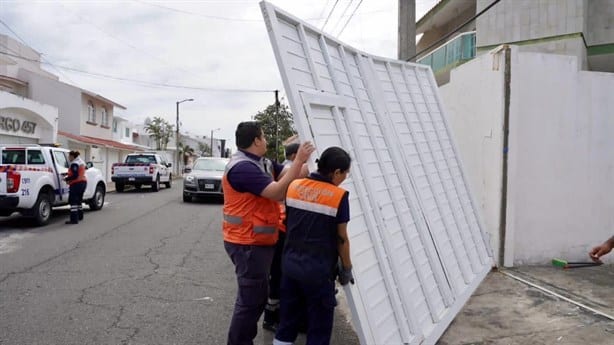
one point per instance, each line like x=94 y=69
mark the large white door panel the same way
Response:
x=416 y=240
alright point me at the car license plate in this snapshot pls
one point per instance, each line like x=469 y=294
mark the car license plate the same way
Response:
x=209 y=186
x=130 y=178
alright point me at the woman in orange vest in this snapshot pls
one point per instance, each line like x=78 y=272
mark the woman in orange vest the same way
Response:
x=77 y=182
x=317 y=249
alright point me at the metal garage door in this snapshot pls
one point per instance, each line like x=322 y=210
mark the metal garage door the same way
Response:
x=417 y=244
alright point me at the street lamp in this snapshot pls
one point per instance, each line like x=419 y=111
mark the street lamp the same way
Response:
x=211 y=148
x=177 y=131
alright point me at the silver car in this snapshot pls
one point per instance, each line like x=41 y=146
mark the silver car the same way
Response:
x=205 y=179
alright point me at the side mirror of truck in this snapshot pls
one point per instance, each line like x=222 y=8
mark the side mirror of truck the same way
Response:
x=168 y=165
x=89 y=165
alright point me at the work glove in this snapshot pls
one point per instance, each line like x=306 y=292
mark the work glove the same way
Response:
x=344 y=275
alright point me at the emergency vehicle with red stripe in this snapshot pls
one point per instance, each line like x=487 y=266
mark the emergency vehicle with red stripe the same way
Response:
x=32 y=181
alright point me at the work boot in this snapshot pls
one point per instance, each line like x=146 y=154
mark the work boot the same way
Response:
x=74 y=217
x=80 y=214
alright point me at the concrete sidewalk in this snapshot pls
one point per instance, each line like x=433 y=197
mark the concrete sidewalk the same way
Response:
x=504 y=310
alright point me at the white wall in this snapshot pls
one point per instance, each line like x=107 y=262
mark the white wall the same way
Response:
x=63 y=96
x=561 y=156
x=561 y=176
x=23 y=109
x=473 y=101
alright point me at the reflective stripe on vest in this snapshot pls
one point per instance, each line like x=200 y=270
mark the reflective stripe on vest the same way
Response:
x=248 y=219
x=80 y=173
x=313 y=207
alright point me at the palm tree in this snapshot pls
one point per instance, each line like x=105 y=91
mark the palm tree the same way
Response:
x=203 y=148
x=186 y=152
x=160 y=130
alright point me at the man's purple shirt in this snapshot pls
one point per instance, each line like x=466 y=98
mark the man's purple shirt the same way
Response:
x=247 y=177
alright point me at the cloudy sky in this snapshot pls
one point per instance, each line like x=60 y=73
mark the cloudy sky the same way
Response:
x=220 y=47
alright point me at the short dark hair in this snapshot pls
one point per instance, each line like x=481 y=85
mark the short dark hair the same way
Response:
x=333 y=158
x=74 y=153
x=291 y=149
x=246 y=133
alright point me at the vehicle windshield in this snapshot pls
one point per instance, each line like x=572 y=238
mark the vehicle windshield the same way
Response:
x=141 y=159
x=210 y=164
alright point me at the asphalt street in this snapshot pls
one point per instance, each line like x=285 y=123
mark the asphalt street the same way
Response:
x=146 y=269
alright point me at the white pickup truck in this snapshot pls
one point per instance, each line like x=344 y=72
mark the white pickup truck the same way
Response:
x=142 y=168
x=32 y=181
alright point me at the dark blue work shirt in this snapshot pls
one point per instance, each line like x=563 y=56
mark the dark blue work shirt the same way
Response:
x=246 y=177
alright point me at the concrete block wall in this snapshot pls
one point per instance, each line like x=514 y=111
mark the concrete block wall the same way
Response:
x=520 y=20
x=600 y=26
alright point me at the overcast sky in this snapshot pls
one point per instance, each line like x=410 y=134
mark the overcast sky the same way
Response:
x=210 y=44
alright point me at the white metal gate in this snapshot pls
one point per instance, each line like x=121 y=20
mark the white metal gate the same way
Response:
x=416 y=239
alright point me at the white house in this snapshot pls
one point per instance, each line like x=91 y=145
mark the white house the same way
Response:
x=84 y=118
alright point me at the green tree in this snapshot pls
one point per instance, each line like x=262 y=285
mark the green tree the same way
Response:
x=203 y=149
x=185 y=151
x=285 y=124
x=160 y=130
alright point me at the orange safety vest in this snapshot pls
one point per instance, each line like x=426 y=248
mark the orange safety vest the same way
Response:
x=248 y=219
x=282 y=217
x=80 y=173
x=311 y=247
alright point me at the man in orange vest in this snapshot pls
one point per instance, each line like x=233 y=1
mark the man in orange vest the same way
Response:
x=251 y=218
x=76 y=183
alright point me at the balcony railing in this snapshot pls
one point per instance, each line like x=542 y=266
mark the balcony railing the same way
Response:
x=455 y=52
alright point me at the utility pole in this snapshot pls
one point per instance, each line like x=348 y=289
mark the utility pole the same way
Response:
x=211 y=148
x=407 y=29
x=276 y=126
x=177 y=131
x=177 y=140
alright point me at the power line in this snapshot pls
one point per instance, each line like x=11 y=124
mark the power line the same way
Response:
x=125 y=42
x=329 y=14
x=324 y=8
x=343 y=14
x=142 y=82
x=24 y=42
x=446 y=36
x=236 y=19
x=199 y=14
x=348 y=21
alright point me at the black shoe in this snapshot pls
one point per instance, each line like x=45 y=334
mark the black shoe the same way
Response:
x=69 y=222
x=270 y=326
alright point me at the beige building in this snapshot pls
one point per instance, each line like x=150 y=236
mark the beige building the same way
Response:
x=83 y=118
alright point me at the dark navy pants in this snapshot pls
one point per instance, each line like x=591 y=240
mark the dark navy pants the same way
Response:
x=252 y=267
x=321 y=302
x=75 y=199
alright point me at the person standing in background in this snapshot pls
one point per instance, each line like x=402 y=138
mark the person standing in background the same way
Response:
x=76 y=186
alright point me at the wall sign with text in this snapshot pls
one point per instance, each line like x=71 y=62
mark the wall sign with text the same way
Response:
x=12 y=124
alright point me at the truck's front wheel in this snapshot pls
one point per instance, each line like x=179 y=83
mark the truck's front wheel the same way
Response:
x=119 y=187
x=42 y=209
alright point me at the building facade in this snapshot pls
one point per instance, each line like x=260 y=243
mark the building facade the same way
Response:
x=83 y=119
x=581 y=28
x=525 y=87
